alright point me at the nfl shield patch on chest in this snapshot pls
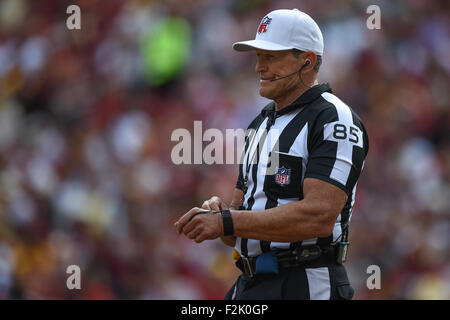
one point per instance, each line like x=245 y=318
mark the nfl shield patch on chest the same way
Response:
x=283 y=176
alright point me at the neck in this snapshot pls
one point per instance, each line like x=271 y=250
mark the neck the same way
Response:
x=286 y=100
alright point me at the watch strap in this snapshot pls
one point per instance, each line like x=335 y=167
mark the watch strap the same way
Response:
x=228 y=228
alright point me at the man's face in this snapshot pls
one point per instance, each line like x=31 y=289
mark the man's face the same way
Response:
x=276 y=64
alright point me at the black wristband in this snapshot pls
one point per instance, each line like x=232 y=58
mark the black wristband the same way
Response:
x=228 y=228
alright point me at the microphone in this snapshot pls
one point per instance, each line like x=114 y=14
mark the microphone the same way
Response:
x=291 y=74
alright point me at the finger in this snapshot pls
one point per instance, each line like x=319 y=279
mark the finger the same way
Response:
x=199 y=238
x=193 y=234
x=215 y=206
x=189 y=227
x=191 y=217
x=185 y=219
x=218 y=202
x=205 y=205
x=202 y=236
x=211 y=205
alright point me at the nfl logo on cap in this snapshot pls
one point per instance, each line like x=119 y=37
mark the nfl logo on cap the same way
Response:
x=264 y=24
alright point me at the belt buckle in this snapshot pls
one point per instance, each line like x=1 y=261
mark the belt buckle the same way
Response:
x=307 y=253
x=247 y=267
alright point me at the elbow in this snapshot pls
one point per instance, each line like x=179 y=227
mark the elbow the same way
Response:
x=324 y=230
x=326 y=220
x=324 y=227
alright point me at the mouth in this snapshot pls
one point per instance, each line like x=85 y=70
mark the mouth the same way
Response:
x=263 y=80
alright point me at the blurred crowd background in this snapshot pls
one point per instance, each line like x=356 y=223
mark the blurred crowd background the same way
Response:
x=86 y=118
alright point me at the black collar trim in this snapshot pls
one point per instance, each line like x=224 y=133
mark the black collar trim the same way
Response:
x=307 y=97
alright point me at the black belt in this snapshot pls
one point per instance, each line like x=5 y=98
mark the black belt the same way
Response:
x=290 y=258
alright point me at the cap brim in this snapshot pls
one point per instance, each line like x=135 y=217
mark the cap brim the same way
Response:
x=258 y=44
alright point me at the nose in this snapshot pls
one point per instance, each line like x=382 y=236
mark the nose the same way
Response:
x=261 y=66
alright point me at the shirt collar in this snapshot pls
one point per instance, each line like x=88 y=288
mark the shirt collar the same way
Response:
x=308 y=96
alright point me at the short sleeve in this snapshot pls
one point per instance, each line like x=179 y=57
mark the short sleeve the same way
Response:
x=337 y=145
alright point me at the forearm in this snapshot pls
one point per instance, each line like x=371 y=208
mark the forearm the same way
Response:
x=312 y=217
x=296 y=221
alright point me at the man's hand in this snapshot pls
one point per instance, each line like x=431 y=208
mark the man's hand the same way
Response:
x=215 y=203
x=202 y=227
x=208 y=226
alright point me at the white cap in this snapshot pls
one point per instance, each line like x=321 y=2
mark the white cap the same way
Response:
x=283 y=30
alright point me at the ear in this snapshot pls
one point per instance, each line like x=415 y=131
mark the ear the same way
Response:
x=312 y=58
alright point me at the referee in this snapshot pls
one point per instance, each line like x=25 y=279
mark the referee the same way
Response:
x=289 y=217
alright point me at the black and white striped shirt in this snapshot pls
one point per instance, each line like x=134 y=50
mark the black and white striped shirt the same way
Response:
x=317 y=136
